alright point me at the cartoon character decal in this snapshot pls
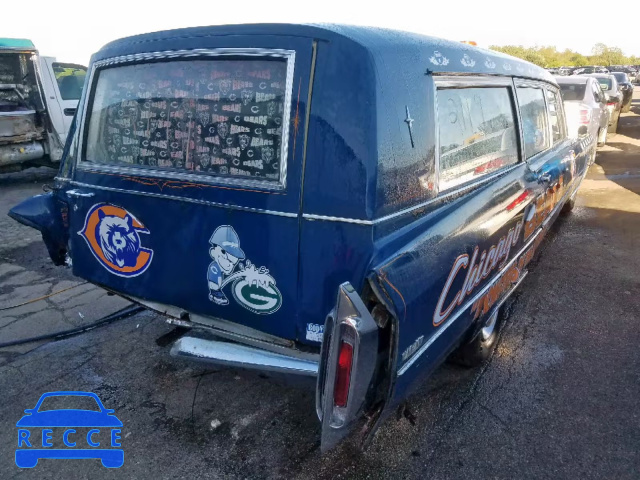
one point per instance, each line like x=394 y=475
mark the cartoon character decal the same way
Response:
x=252 y=287
x=113 y=236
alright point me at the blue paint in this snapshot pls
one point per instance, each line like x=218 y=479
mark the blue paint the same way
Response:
x=362 y=164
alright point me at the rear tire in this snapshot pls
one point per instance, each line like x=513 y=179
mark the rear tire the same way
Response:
x=477 y=351
x=569 y=204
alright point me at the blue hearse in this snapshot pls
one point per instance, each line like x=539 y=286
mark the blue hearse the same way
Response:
x=348 y=203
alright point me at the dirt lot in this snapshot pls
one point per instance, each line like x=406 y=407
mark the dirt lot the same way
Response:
x=559 y=398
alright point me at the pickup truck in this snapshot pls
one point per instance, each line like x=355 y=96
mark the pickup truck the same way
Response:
x=38 y=99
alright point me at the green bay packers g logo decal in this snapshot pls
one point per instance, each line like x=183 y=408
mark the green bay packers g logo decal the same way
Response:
x=252 y=287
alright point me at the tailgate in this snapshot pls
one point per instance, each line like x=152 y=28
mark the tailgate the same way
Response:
x=187 y=185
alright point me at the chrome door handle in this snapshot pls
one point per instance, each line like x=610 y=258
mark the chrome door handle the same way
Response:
x=79 y=193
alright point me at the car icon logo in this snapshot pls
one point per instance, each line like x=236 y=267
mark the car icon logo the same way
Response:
x=90 y=432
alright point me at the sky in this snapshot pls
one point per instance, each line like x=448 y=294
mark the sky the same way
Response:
x=72 y=30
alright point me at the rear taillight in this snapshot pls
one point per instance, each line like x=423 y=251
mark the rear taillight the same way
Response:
x=585 y=116
x=343 y=375
x=611 y=104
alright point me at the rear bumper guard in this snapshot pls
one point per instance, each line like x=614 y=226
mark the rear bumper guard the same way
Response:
x=243 y=356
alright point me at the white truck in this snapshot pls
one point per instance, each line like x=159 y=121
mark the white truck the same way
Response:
x=38 y=99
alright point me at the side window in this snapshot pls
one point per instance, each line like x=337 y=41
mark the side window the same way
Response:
x=70 y=79
x=477 y=133
x=534 y=120
x=556 y=116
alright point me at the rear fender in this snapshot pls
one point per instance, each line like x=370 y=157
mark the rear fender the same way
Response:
x=48 y=214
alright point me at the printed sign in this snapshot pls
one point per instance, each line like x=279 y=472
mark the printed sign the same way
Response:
x=315 y=332
x=69 y=433
x=252 y=287
x=113 y=236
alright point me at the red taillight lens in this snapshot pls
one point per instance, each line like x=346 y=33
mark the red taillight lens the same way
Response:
x=343 y=375
x=585 y=116
x=611 y=104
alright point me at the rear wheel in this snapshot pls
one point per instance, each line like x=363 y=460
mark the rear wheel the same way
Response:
x=569 y=204
x=478 y=350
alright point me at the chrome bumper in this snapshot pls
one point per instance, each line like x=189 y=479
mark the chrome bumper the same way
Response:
x=243 y=356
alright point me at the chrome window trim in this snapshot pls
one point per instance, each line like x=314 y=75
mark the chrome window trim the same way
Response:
x=183 y=199
x=281 y=184
x=455 y=82
x=520 y=83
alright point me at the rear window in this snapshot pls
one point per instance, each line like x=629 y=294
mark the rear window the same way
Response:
x=573 y=92
x=621 y=77
x=223 y=116
x=605 y=83
x=477 y=133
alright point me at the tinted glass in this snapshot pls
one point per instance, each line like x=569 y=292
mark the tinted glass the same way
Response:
x=477 y=134
x=556 y=116
x=605 y=83
x=573 y=92
x=621 y=77
x=534 y=120
x=222 y=117
x=70 y=79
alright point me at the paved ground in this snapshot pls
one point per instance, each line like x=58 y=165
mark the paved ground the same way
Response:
x=559 y=398
x=27 y=274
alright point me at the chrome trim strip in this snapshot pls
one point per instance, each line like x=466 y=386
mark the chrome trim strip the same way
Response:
x=326 y=218
x=243 y=356
x=484 y=289
x=451 y=193
x=288 y=55
x=185 y=199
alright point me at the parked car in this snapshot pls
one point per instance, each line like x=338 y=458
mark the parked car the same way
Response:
x=626 y=87
x=38 y=98
x=316 y=219
x=586 y=110
x=590 y=69
x=613 y=95
x=628 y=69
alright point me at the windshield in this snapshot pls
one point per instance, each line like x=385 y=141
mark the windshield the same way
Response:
x=70 y=79
x=574 y=91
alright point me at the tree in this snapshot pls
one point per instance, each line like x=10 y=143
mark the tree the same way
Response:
x=549 y=56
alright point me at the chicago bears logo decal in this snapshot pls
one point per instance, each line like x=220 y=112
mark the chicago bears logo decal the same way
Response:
x=113 y=236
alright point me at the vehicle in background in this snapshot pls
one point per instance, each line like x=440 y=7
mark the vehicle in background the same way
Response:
x=566 y=71
x=359 y=238
x=613 y=96
x=586 y=110
x=626 y=87
x=630 y=70
x=589 y=69
x=38 y=99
